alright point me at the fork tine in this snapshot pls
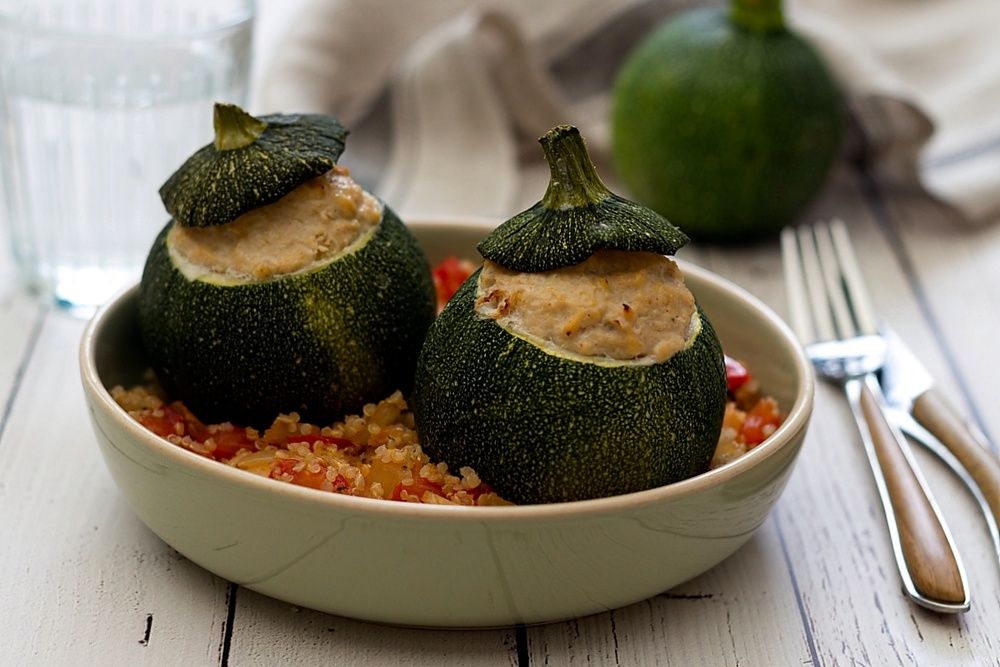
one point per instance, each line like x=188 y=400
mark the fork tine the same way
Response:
x=855 y=284
x=795 y=290
x=830 y=265
x=818 y=302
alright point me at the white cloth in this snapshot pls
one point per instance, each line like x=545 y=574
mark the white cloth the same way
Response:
x=446 y=98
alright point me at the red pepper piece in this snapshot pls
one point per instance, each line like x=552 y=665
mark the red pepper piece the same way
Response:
x=765 y=413
x=448 y=277
x=737 y=374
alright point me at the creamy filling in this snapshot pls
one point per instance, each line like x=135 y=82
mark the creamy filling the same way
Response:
x=311 y=225
x=615 y=305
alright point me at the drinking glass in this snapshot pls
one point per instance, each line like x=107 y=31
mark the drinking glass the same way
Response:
x=100 y=101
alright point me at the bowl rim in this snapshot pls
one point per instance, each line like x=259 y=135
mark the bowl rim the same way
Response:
x=796 y=420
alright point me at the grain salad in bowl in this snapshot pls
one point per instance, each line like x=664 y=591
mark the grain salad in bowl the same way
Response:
x=274 y=412
x=578 y=319
x=376 y=453
x=465 y=567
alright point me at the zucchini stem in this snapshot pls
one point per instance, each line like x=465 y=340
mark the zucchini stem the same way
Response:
x=757 y=15
x=574 y=181
x=235 y=128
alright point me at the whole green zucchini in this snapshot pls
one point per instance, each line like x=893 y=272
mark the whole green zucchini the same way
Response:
x=726 y=121
x=544 y=425
x=321 y=342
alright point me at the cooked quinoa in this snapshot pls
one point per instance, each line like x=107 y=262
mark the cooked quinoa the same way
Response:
x=371 y=455
x=376 y=454
x=750 y=418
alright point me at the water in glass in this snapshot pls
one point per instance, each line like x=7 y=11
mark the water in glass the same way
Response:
x=94 y=119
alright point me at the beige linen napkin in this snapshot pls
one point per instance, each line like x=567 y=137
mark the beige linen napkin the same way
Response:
x=446 y=98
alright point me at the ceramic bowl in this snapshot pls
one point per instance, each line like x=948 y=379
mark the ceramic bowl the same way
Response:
x=448 y=566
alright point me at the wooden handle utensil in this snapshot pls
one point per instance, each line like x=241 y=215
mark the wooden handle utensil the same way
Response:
x=925 y=545
x=938 y=417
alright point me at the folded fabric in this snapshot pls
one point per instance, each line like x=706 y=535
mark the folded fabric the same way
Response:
x=446 y=98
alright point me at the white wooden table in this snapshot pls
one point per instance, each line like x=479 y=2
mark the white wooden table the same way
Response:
x=83 y=582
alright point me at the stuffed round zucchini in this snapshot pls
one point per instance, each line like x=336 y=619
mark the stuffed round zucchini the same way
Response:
x=280 y=285
x=575 y=363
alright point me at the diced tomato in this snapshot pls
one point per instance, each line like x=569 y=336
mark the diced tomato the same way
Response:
x=173 y=415
x=737 y=374
x=229 y=443
x=340 y=484
x=314 y=480
x=304 y=477
x=417 y=488
x=176 y=419
x=449 y=276
x=165 y=423
x=761 y=416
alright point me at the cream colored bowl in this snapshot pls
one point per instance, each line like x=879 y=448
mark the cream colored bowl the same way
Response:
x=433 y=565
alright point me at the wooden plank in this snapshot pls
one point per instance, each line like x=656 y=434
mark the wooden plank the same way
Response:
x=715 y=619
x=84 y=582
x=22 y=317
x=851 y=595
x=955 y=269
x=833 y=522
x=270 y=632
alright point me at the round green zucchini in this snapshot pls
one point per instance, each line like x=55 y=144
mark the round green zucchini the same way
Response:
x=542 y=428
x=252 y=162
x=321 y=343
x=541 y=425
x=726 y=121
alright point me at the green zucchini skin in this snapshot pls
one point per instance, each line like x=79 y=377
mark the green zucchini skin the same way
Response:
x=577 y=216
x=728 y=132
x=541 y=238
x=541 y=428
x=321 y=343
x=292 y=149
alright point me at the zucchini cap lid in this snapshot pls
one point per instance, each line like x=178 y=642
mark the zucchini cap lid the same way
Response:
x=577 y=216
x=252 y=162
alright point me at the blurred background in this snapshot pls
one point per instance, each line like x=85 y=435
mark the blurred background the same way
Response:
x=730 y=118
x=438 y=90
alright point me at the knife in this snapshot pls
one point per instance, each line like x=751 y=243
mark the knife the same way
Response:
x=909 y=426
x=928 y=418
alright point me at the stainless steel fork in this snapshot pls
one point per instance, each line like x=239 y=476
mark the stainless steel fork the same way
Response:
x=833 y=317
